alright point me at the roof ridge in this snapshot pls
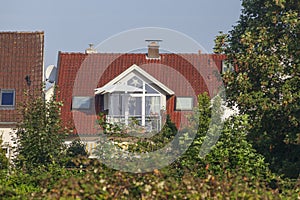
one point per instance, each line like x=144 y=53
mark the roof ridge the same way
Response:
x=21 y=32
x=128 y=53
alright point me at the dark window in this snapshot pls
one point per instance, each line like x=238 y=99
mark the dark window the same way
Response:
x=7 y=97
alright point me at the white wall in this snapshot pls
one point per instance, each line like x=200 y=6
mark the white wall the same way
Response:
x=49 y=93
x=7 y=136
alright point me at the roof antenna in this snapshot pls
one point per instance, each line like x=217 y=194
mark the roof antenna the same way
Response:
x=91 y=49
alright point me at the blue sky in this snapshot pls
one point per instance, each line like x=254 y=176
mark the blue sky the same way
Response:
x=70 y=25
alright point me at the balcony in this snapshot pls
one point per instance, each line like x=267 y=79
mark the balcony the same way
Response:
x=147 y=123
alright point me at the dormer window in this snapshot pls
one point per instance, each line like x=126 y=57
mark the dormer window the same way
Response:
x=134 y=98
x=135 y=95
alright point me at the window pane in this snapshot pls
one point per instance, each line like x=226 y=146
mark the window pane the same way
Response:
x=152 y=105
x=135 y=106
x=135 y=82
x=81 y=102
x=124 y=103
x=115 y=104
x=184 y=103
x=150 y=90
x=7 y=98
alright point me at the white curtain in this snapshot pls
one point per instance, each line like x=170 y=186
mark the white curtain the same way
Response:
x=114 y=104
x=152 y=105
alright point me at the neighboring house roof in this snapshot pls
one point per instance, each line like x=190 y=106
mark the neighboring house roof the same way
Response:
x=21 y=56
x=179 y=73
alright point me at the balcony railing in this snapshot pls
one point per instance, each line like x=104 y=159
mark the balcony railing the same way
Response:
x=149 y=123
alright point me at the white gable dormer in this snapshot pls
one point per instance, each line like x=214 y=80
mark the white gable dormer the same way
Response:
x=134 y=94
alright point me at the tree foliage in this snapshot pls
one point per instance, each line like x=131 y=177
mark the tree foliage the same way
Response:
x=40 y=134
x=264 y=48
x=102 y=184
x=231 y=170
x=222 y=147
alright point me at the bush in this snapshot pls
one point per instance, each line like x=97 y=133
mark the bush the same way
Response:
x=101 y=183
x=76 y=149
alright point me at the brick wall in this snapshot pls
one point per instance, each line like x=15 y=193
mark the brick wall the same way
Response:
x=21 y=55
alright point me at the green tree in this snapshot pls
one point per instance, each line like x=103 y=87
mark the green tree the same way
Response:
x=264 y=48
x=40 y=134
x=221 y=146
x=199 y=124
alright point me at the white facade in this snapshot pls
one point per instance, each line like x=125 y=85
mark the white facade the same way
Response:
x=7 y=136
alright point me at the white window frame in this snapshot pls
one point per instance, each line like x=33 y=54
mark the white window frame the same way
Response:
x=142 y=95
x=14 y=97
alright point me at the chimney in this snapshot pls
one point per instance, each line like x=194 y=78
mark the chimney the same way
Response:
x=153 y=49
x=91 y=49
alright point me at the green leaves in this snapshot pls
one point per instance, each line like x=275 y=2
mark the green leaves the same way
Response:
x=40 y=134
x=264 y=46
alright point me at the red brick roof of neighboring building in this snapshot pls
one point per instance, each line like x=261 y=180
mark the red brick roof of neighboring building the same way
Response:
x=21 y=55
x=185 y=74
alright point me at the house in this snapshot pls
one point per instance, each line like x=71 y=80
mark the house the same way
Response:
x=132 y=87
x=21 y=69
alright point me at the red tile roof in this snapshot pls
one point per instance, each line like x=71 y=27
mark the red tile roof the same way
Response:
x=185 y=74
x=21 y=54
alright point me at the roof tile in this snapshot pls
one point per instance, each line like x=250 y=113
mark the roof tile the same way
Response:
x=185 y=74
x=21 y=54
